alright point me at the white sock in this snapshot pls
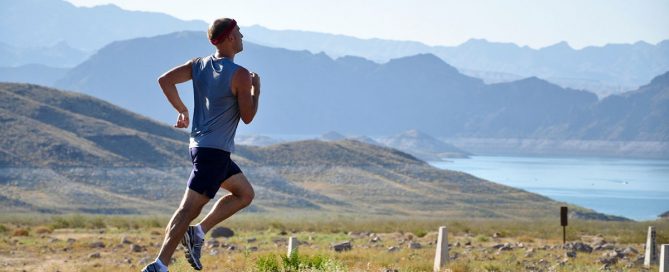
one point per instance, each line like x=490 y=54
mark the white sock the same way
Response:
x=163 y=267
x=199 y=231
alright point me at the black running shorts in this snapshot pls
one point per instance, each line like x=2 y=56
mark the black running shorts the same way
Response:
x=211 y=167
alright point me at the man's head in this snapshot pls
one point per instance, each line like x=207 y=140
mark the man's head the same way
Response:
x=224 y=33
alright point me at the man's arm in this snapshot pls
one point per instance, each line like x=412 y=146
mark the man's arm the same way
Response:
x=247 y=89
x=168 y=82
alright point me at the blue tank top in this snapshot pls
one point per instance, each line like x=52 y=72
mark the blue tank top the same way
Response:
x=216 y=112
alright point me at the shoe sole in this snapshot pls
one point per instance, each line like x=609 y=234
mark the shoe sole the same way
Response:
x=189 y=247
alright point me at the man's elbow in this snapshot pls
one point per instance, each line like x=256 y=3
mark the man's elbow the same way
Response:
x=247 y=117
x=247 y=120
x=164 y=81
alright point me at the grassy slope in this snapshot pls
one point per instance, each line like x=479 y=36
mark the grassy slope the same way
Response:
x=67 y=152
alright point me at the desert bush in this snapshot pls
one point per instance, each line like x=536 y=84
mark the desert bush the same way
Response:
x=20 y=232
x=43 y=229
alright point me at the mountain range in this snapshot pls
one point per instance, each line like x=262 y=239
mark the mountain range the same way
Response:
x=67 y=35
x=309 y=93
x=56 y=33
x=605 y=70
x=66 y=152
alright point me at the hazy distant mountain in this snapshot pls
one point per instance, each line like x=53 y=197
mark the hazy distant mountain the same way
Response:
x=44 y=23
x=306 y=94
x=32 y=73
x=609 y=69
x=423 y=146
x=336 y=46
x=64 y=152
x=59 y=55
x=332 y=136
x=255 y=140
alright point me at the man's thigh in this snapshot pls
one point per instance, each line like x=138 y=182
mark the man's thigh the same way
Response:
x=193 y=200
x=237 y=185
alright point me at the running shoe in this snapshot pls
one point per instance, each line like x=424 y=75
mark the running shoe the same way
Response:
x=153 y=267
x=193 y=245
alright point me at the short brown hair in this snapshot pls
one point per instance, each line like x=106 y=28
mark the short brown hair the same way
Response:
x=217 y=27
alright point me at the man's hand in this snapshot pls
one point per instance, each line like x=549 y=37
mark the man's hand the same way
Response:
x=255 y=81
x=182 y=120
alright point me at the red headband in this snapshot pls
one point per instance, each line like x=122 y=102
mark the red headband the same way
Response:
x=225 y=33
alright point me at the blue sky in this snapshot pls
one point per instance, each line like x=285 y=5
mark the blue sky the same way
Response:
x=536 y=23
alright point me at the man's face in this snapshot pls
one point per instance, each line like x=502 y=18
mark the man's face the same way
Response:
x=238 y=39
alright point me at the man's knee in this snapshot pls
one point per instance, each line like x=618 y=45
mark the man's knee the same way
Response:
x=247 y=196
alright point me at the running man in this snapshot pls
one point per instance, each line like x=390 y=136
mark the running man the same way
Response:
x=224 y=93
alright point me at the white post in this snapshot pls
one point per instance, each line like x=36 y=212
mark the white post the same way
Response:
x=651 y=248
x=664 y=258
x=292 y=245
x=441 y=256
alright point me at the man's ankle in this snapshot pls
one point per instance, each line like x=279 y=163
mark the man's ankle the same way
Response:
x=160 y=263
x=199 y=231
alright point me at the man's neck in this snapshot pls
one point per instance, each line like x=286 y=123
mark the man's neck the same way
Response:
x=224 y=54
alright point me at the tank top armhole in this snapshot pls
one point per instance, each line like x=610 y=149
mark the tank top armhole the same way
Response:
x=195 y=63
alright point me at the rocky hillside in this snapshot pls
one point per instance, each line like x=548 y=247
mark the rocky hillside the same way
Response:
x=67 y=152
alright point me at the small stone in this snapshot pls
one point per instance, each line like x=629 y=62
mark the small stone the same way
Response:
x=342 y=246
x=393 y=249
x=578 y=246
x=415 y=245
x=94 y=255
x=503 y=247
x=496 y=235
x=251 y=240
x=608 y=260
x=125 y=240
x=570 y=254
x=97 y=244
x=222 y=232
x=213 y=243
x=629 y=251
x=213 y=252
x=375 y=239
x=253 y=248
x=136 y=248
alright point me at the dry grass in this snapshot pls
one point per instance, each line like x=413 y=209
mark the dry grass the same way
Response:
x=69 y=248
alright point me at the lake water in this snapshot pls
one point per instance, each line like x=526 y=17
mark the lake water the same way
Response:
x=636 y=189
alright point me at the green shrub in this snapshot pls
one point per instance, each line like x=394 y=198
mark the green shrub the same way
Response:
x=482 y=238
x=267 y=263
x=491 y=268
x=420 y=233
x=297 y=263
x=291 y=263
x=3 y=228
x=73 y=221
x=97 y=223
